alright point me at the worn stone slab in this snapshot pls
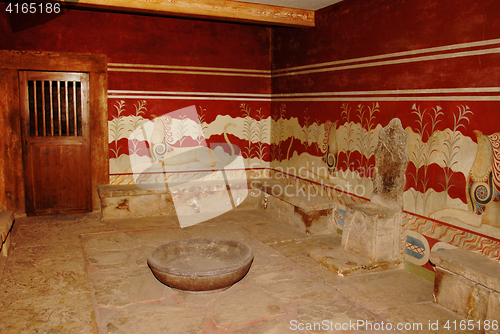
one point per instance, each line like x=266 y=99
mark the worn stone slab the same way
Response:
x=68 y=313
x=143 y=223
x=155 y=318
x=229 y=311
x=345 y=263
x=377 y=291
x=472 y=266
x=44 y=278
x=426 y=318
x=123 y=288
x=109 y=241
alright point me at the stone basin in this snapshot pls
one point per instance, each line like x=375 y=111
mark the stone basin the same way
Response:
x=200 y=264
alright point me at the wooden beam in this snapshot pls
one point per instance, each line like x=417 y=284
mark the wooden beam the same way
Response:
x=209 y=9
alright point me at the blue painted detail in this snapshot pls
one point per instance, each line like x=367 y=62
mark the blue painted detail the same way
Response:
x=341 y=212
x=414 y=254
x=340 y=222
x=414 y=241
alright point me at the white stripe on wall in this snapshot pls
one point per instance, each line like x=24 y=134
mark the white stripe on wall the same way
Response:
x=377 y=95
x=394 y=55
x=394 y=62
x=449 y=52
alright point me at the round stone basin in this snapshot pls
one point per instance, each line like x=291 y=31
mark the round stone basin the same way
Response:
x=200 y=264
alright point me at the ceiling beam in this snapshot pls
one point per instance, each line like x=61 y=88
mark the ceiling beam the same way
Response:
x=209 y=9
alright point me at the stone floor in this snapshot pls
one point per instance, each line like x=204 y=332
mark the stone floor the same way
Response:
x=78 y=274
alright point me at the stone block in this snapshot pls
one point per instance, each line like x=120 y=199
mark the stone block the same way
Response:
x=144 y=205
x=473 y=266
x=115 y=207
x=314 y=221
x=311 y=214
x=252 y=201
x=493 y=311
x=166 y=206
x=453 y=292
x=279 y=209
x=373 y=232
x=467 y=284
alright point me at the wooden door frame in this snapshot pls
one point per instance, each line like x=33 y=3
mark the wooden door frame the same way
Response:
x=12 y=194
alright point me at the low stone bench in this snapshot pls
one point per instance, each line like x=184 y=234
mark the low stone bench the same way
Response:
x=122 y=201
x=6 y=222
x=312 y=214
x=467 y=283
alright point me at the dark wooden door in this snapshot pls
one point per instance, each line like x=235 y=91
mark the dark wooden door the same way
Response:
x=56 y=145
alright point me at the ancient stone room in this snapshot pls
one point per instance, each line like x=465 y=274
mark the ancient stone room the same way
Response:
x=249 y=167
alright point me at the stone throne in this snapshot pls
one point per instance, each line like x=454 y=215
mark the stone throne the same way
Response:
x=374 y=230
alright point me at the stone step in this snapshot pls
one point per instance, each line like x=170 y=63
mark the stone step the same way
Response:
x=346 y=263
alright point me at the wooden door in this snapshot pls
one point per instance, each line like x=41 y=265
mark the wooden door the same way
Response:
x=56 y=145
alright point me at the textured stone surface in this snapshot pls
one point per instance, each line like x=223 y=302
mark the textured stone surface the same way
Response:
x=309 y=213
x=6 y=221
x=427 y=317
x=346 y=263
x=375 y=230
x=464 y=297
x=46 y=289
x=472 y=266
x=115 y=207
x=391 y=160
x=374 y=233
x=467 y=283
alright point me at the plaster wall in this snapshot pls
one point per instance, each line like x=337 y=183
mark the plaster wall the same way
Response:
x=155 y=66
x=433 y=64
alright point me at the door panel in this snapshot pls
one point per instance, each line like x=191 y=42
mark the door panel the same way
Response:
x=56 y=150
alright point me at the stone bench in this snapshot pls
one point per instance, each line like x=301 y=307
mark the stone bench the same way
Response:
x=128 y=201
x=6 y=222
x=312 y=214
x=467 y=283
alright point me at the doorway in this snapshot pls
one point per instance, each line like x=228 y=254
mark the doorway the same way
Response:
x=56 y=142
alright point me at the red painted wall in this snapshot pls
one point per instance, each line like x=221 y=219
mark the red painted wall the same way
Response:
x=433 y=64
x=170 y=63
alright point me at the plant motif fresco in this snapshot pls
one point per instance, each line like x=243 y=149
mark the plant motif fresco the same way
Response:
x=244 y=130
x=454 y=170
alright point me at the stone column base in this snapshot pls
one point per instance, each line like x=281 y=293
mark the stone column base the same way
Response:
x=375 y=233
